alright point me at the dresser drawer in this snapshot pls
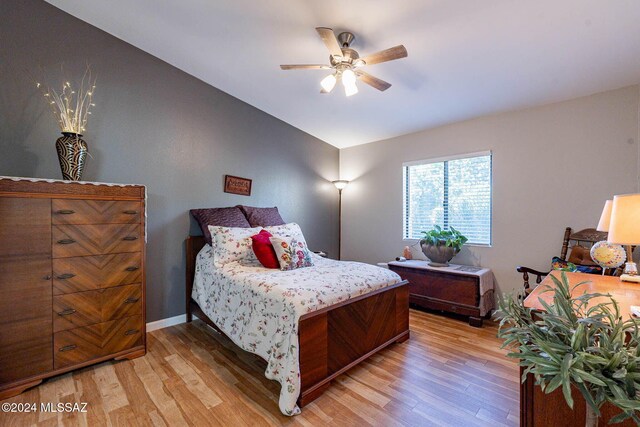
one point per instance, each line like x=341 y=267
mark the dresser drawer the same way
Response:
x=86 y=308
x=81 y=240
x=96 y=272
x=442 y=286
x=69 y=211
x=89 y=342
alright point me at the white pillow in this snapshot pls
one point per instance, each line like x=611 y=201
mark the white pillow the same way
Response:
x=232 y=244
x=287 y=230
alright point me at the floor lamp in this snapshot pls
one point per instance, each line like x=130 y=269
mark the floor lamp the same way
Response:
x=340 y=185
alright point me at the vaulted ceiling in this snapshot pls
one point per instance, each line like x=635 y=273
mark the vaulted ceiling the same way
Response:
x=467 y=58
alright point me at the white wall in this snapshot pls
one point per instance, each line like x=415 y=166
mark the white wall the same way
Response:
x=553 y=166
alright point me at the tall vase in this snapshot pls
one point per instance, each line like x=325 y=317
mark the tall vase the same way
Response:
x=72 y=153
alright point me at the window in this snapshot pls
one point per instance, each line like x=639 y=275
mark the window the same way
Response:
x=452 y=192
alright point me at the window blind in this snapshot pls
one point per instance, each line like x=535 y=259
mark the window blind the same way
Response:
x=452 y=192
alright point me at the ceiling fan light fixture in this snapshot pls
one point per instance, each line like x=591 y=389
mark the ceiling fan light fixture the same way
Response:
x=328 y=83
x=349 y=82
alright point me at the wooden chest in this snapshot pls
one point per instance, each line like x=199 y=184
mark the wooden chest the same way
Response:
x=453 y=293
x=72 y=278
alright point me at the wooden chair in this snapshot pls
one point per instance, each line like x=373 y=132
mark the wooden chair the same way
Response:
x=579 y=243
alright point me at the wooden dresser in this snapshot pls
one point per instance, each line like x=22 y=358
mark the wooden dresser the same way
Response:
x=72 y=277
x=454 y=289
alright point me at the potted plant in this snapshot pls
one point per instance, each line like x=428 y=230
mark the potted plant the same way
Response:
x=577 y=343
x=440 y=246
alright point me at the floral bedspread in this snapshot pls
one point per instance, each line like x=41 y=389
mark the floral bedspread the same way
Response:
x=259 y=308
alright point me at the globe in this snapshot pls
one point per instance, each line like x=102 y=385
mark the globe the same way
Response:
x=608 y=255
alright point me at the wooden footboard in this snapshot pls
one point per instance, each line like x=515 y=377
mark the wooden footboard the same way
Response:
x=339 y=337
x=336 y=338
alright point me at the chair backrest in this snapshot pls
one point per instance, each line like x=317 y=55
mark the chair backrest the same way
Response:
x=585 y=238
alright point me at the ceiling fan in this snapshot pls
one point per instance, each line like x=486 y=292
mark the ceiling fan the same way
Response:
x=346 y=63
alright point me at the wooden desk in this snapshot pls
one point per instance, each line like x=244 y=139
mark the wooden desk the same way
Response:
x=625 y=293
x=539 y=409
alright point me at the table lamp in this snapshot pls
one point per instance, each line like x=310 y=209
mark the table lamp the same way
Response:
x=624 y=227
x=605 y=218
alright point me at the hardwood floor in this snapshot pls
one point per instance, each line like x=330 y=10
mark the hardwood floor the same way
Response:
x=448 y=373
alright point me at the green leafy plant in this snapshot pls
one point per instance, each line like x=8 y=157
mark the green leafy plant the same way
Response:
x=576 y=342
x=451 y=237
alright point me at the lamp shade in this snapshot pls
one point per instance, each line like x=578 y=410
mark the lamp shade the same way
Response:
x=624 y=228
x=340 y=184
x=605 y=218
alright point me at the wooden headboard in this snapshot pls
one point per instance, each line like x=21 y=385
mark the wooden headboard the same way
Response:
x=194 y=244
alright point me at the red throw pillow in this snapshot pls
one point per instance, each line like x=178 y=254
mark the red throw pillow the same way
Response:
x=264 y=250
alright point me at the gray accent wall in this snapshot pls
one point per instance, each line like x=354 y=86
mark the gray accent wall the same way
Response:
x=158 y=126
x=553 y=166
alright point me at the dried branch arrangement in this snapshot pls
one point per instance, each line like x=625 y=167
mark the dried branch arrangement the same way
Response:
x=70 y=106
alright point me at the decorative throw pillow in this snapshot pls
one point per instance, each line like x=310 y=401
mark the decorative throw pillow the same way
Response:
x=291 y=253
x=225 y=217
x=263 y=249
x=558 y=263
x=262 y=217
x=232 y=244
x=580 y=255
x=287 y=230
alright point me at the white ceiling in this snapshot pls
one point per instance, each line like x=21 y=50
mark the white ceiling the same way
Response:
x=466 y=57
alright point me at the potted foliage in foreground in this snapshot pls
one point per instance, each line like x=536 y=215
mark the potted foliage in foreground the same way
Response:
x=575 y=343
x=440 y=246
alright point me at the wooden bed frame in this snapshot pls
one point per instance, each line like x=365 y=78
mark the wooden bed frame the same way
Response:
x=335 y=338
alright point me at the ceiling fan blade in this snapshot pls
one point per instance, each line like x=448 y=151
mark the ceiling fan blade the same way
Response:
x=305 y=67
x=330 y=40
x=390 y=54
x=375 y=82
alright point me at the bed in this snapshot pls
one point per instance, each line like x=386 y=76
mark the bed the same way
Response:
x=333 y=333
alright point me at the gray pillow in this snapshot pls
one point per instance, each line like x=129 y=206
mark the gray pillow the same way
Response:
x=224 y=217
x=262 y=217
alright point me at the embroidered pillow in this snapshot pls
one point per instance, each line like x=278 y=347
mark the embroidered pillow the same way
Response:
x=262 y=217
x=558 y=263
x=225 y=217
x=291 y=253
x=264 y=251
x=287 y=230
x=232 y=244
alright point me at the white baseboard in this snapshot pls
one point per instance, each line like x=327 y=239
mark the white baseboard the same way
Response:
x=165 y=323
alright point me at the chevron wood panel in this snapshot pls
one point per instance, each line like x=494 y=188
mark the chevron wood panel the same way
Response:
x=90 y=342
x=70 y=211
x=357 y=328
x=81 y=240
x=95 y=272
x=86 y=308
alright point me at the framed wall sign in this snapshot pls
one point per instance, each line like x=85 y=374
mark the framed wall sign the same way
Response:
x=237 y=185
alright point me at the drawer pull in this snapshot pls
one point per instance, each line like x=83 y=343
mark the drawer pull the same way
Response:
x=130 y=212
x=132 y=331
x=66 y=241
x=68 y=347
x=65 y=212
x=66 y=312
x=65 y=276
x=132 y=268
x=47 y=277
x=129 y=238
x=131 y=300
